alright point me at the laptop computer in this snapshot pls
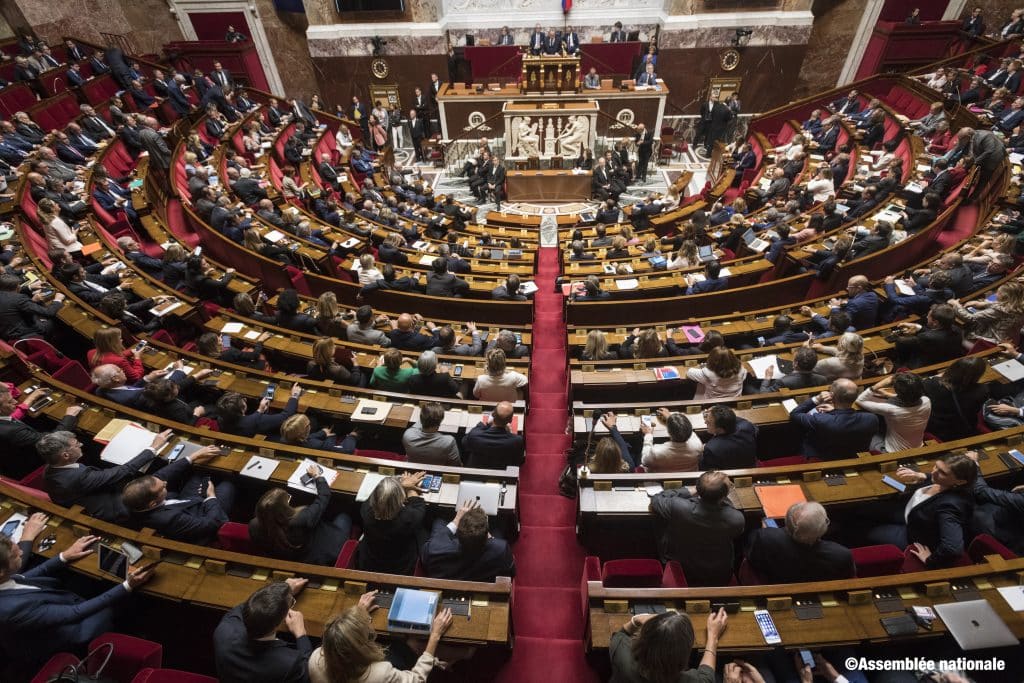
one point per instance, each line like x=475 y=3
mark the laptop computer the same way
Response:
x=975 y=625
x=754 y=242
x=486 y=495
x=706 y=253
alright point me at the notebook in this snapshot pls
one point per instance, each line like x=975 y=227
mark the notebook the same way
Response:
x=776 y=500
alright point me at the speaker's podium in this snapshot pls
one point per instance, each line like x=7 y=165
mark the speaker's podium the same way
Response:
x=551 y=73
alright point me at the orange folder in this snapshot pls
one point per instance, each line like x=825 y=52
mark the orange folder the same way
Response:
x=776 y=500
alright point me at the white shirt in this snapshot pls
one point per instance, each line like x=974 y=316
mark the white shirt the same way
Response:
x=495 y=389
x=710 y=385
x=671 y=456
x=919 y=497
x=904 y=426
x=821 y=189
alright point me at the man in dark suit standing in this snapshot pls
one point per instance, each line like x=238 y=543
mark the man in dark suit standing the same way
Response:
x=644 y=143
x=418 y=132
x=571 y=41
x=538 y=42
x=832 y=429
x=194 y=513
x=698 y=532
x=797 y=554
x=39 y=617
x=222 y=77
x=463 y=550
x=618 y=35
x=246 y=648
x=494 y=446
x=496 y=181
x=733 y=442
x=69 y=482
x=505 y=38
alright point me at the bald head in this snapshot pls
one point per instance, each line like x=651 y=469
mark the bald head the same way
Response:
x=806 y=523
x=844 y=393
x=503 y=414
x=857 y=284
x=404 y=322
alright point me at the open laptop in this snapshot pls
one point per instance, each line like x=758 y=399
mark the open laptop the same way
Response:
x=754 y=242
x=706 y=253
x=975 y=625
x=486 y=495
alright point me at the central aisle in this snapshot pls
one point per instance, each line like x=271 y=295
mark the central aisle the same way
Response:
x=547 y=612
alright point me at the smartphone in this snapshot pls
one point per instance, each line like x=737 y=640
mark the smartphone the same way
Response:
x=141 y=345
x=760 y=341
x=11 y=527
x=223 y=448
x=112 y=561
x=457 y=371
x=894 y=483
x=270 y=391
x=175 y=452
x=131 y=551
x=29 y=390
x=39 y=405
x=1017 y=455
x=770 y=523
x=147 y=567
x=435 y=483
x=807 y=658
x=767 y=626
x=306 y=479
x=648 y=421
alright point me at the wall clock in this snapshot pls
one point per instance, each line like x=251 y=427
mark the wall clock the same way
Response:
x=379 y=68
x=730 y=60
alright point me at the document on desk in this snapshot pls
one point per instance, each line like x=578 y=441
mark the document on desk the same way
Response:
x=760 y=365
x=631 y=283
x=789 y=404
x=295 y=481
x=904 y=288
x=1010 y=369
x=370 y=411
x=370 y=481
x=776 y=500
x=127 y=443
x=452 y=421
x=274 y=236
x=232 y=328
x=259 y=467
x=1014 y=596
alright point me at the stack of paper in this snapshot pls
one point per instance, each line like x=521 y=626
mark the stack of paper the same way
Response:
x=127 y=443
x=759 y=365
x=294 y=481
x=370 y=411
x=631 y=283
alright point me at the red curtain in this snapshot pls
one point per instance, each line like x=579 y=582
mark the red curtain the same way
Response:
x=898 y=10
x=213 y=25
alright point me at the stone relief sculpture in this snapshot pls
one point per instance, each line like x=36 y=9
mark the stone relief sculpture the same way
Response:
x=574 y=136
x=525 y=140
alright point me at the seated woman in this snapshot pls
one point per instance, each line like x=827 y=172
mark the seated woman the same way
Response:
x=325 y=367
x=244 y=305
x=288 y=315
x=685 y=257
x=618 y=249
x=957 y=397
x=393 y=528
x=368 y=272
x=300 y=534
x=349 y=651
x=597 y=347
x=994 y=321
x=252 y=240
x=211 y=345
x=296 y=431
x=643 y=344
x=904 y=408
x=847 y=357
x=656 y=647
x=721 y=376
x=232 y=418
x=173 y=265
x=612 y=454
x=391 y=376
x=114 y=305
x=110 y=351
x=330 y=321
x=932 y=515
x=499 y=383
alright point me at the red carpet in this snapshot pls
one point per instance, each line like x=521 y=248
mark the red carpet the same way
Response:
x=546 y=612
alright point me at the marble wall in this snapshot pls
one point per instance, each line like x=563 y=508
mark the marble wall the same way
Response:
x=995 y=12
x=286 y=35
x=831 y=37
x=147 y=23
x=699 y=6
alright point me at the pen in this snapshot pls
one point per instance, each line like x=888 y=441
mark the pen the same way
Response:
x=255 y=465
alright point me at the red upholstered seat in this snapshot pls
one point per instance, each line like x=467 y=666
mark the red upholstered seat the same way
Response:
x=170 y=676
x=131 y=655
x=234 y=537
x=912 y=564
x=632 y=573
x=673 y=577
x=877 y=560
x=347 y=556
x=747 y=576
x=54 y=666
x=37 y=493
x=984 y=544
x=382 y=455
x=782 y=462
x=74 y=374
x=34 y=479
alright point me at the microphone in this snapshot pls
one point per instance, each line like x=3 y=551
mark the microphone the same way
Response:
x=595 y=417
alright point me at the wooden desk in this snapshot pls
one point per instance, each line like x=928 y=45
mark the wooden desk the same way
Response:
x=548 y=186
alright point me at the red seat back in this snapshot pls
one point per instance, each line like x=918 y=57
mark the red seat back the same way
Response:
x=632 y=573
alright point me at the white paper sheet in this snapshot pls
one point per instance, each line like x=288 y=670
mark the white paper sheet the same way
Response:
x=293 y=481
x=126 y=444
x=761 y=364
x=259 y=467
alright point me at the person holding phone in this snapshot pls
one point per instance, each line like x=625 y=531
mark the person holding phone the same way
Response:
x=19 y=439
x=110 y=350
x=657 y=647
x=42 y=617
x=393 y=526
x=303 y=533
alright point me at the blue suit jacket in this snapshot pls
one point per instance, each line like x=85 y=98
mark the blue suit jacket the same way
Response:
x=835 y=435
x=708 y=285
x=443 y=558
x=51 y=619
x=863 y=310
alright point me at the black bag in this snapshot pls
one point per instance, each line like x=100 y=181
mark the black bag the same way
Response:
x=79 y=673
x=568 y=485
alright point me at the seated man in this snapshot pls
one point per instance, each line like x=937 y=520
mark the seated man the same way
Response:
x=39 y=618
x=861 y=305
x=17 y=439
x=509 y=343
x=194 y=513
x=97 y=490
x=802 y=377
x=246 y=648
x=733 y=442
x=464 y=550
x=112 y=385
x=407 y=336
x=424 y=443
x=832 y=429
x=430 y=382
x=711 y=282
x=494 y=446
x=510 y=291
x=939 y=339
x=682 y=451
x=446 y=342
x=796 y=553
x=21 y=316
x=699 y=530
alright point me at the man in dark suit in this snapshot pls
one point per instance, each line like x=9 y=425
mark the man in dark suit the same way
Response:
x=1001 y=514
x=75 y=76
x=407 y=335
x=797 y=554
x=571 y=41
x=939 y=340
x=19 y=439
x=861 y=305
x=97 y=490
x=849 y=105
x=602 y=182
x=538 y=42
x=505 y=38
x=617 y=35
x=496 y=182
x=802 y=377
x=493 y=446
x=698 y=531
x=97 y=63
x=463 y=550
x=246 y=648
x=647 y=77
x=733 y=442
x=194 y=513
x=176 y=96
x=644 y=143
x=832 y=429
x=39 y=617
x=248 y=188
x=21 y=316
x=73 y=51
x=418 y=132
x=711 y=282
x=222 y=76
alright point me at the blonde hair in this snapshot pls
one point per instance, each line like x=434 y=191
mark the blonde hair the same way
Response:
x=366 y=261
x=597 y=345
x=327 y=306
x=626 y=232
x=295 y=430
x=688 y=250
x=387 y=499
x=495 y=362
x=850 y=348
x=348 y=647
x=251 y=239
x=607 y=458
x=1010 y=297
x=174 y=253
x=648 y=345
x=323 y=351
x=618 y=242
x=107 y=340
x=393 y=359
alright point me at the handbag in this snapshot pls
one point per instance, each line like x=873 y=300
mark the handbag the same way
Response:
x=79 y=673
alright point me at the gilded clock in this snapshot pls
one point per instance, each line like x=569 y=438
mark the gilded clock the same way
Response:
x=379 y=68
x=730 y=60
